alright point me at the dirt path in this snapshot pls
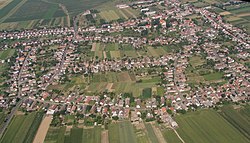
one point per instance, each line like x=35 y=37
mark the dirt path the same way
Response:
x=109 y=87
x=158 y=134
x=178 y=136
x=42 y=130
x=105 y=137
x=93 y=47
x=66 y=12
x=104 y=55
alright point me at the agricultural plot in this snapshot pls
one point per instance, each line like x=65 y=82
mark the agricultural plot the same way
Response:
x=79 y=135
x=121 y=132
x=22 y=128
x=8 y=8
x=156 y=52
x=207 y=126
x=75 y=7
x=5 y=54
x=238 y=117
x=114 y=13
x=55 y=135
x=151 y=134
x=170 y=136
x=141 y=134
x=36 y=9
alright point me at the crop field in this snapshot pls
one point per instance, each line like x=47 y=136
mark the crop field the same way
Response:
x=170 y=136
x=121 y=132
x=36 y=9
x=75 y=135
x=207 y=126
x=75 y=7
x=22 y=128
x=2 y=118
x=111 y=12
x=238 y=117
x=141 y=134
x=5 y=54
x=122 y=82
x=55 y=135
x=8 y=8
x=151 y=134
x=156 y=52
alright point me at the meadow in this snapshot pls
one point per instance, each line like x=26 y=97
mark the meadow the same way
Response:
x=207 y=126
x=22 y=128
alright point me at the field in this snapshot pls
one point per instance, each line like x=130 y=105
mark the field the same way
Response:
x=6 y=53
x=238 y=117
x=22 y=128
x=73 y=135
x=121 y=132
x=170 y=136
x=116 y=13
x=207 y=126
x=18 y=14
x=121 y=82
x=196 y=73
x=55 y=134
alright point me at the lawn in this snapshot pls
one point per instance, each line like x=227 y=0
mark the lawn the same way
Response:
x=121 y=132
x=239 y=118
x=207 y=126
x=22 y=128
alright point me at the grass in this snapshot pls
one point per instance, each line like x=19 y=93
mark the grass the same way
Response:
x=213 y=76
x=206 y=126
x=170 y=136
x=22 y=128
x=121 y=132
x=196 y=61
x=146 y=93
x=5 y=54
x=239 y=118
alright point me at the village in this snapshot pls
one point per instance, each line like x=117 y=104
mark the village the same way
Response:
x=31 y=89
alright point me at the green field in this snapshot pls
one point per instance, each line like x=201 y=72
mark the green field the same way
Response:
x=170 y=136
x=6 y=53
x=238 y=117
x=55 y=135
x=121 y=132
x=207 y=126
x=22 y=128
x=151 y=133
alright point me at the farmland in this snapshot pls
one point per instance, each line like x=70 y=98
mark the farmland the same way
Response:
x=207 y=126
x=238 y=117
x=75 y=135
x=116 y=13
x=120 y=83
x=121 y=132
x=23 y=128
x=170 y=136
